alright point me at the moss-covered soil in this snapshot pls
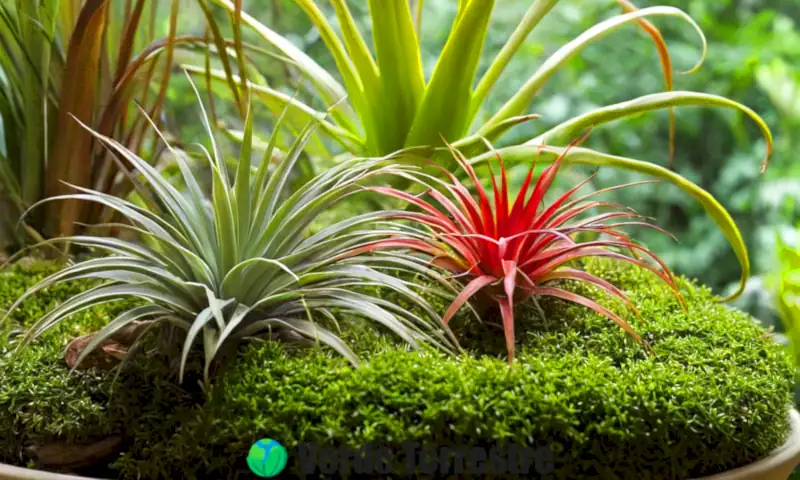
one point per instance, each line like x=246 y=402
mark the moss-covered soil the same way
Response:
x=712 y=396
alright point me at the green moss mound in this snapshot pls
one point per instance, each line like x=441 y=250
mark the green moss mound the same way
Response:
x=41 y=402
x=712 y=396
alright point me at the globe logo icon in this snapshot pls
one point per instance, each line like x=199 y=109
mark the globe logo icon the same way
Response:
x=267 y=458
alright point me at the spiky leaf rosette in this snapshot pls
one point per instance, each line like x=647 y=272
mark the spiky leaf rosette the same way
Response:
x=244 y=265
x=510 y=250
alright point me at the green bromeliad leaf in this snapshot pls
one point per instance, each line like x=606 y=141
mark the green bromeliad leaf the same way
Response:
x=397 y=103
x=647 y=103
x=517 y=104
x=444 y=111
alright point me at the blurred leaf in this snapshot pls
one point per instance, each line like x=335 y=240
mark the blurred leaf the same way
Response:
x=72 y=150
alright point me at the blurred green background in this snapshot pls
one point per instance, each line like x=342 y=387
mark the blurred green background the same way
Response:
x=753 y=58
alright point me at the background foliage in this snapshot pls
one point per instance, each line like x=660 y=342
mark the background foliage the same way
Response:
x=85 y=60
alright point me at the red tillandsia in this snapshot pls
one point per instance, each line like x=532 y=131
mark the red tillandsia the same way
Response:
x=512 y=251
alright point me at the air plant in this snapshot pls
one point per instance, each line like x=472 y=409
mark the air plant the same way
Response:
x=242 y=266
x=521 y=248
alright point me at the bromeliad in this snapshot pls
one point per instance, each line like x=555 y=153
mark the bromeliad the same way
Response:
x=517 y=250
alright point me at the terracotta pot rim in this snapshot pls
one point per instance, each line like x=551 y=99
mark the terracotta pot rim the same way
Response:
x=784 y=458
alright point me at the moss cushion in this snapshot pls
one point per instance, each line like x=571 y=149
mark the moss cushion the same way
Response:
x=711 y=396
